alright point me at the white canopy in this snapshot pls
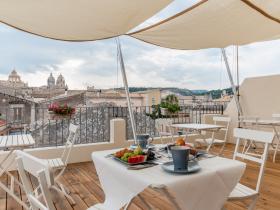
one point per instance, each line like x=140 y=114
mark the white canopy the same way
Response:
x=216 y=24
x=78 y=20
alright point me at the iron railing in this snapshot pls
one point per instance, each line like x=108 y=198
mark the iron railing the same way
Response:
x=94 y=122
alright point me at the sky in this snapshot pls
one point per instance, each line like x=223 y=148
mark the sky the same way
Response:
x=95 y=63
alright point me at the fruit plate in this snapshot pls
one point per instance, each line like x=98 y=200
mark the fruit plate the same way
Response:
x=126 y=163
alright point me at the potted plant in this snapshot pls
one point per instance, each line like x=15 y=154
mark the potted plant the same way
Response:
x=57 y=111
x=164 y=108
x=170 y=105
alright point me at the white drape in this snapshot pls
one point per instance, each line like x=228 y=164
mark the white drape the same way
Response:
x=216 y=24
x=78 y=20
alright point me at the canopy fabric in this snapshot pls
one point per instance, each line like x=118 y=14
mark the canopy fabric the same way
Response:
x=216 y=24
x=269 y=6
x=78 y=20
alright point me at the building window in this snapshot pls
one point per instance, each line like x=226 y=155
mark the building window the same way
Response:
x=153 y=101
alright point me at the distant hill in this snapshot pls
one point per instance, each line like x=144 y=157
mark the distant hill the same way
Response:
x=186 y=92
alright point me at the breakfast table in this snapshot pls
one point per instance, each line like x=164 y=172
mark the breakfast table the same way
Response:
x=206 y=189
x=199 y=127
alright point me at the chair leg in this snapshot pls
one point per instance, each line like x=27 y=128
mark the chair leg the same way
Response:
x=209 y=146
x=253 y=204
x=222 y=149
x=62 y=187
x=244 y=146
x=249 y=146
x=64 y=193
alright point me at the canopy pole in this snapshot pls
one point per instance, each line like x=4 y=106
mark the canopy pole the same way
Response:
x=133 y=125
x=237 y=81
x=239 y=109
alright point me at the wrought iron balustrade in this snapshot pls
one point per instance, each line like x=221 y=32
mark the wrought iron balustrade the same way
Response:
x=94 y=122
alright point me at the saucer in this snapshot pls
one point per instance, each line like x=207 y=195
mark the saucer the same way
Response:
x=193 y=167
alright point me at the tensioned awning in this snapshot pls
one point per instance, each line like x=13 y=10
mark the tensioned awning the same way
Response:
x=216 y=24
x=78 y=20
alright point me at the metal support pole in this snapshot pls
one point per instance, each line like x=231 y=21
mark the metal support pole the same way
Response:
x=232 y=82
x=237 y=82
x=126 y=89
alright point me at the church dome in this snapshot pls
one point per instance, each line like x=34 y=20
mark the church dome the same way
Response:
x=51 y=81
x=60 y=82
x=14 y=77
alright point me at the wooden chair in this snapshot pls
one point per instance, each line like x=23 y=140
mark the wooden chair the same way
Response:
x=242 y=192
x=225 y=121
x=58 y=165
x=163 y=127
x=40 y=170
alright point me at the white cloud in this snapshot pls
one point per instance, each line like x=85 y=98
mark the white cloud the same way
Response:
x=95 y=63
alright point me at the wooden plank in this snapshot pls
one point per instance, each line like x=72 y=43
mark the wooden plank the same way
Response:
x=9 y=142
x=26 y=141
x=3 y=141
x=15 y=140
x=80 y=204
x=30 y=139
x=20 y=140
x=81 y=179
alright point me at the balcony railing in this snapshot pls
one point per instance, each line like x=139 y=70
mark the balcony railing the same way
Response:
x=93 y=122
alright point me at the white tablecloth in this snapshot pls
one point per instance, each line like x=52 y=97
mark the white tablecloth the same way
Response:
x=207 y=189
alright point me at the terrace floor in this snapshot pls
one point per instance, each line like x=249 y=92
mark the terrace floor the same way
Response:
x=82 y=180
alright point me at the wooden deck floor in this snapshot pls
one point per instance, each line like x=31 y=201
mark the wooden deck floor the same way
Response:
x=82 y=180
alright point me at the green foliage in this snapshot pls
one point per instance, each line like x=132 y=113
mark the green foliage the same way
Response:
x=156 y=113
x=217 y=93
x=171 y=103
x=171 y=99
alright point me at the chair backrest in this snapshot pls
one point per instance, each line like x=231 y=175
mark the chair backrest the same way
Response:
x=220 y=120
x=39 y=169
x=248 y=120
x=276 y=116
x=69 y=143
x=263 y=137
x=163 y=124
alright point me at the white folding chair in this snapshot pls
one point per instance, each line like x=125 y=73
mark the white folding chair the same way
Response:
x=163 y=127
x=40 y=170
x=242 y=192
x=224 y=121
x=276 y=146
x=249 y=122
x=58 y=165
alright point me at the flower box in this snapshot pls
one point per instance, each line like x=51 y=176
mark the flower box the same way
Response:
x=59 y=112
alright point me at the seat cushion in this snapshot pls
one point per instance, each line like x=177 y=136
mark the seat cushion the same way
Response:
x=56 y=163
x=209 y=140
x=242 y=191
